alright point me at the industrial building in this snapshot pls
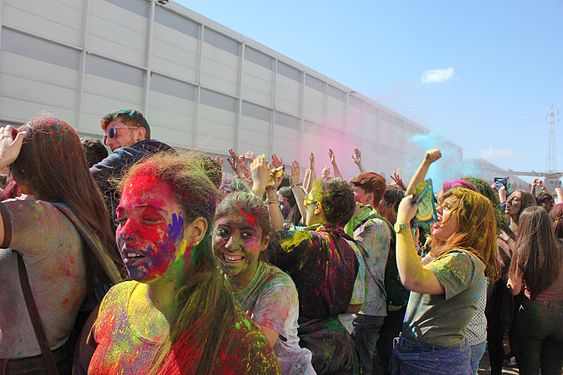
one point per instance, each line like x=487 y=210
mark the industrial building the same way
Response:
x=201 y=85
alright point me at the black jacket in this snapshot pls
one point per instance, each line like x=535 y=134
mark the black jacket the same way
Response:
x=110 y=170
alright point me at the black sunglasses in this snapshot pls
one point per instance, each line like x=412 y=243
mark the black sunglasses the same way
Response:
x=112 y=132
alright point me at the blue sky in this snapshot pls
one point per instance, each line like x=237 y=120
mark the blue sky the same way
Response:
x=499 y=64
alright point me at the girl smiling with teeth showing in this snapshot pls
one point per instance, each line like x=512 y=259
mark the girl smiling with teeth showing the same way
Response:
x=176 y=316
x=240 y=239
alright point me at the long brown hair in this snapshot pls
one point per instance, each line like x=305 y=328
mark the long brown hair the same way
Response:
x=556 y=216
x=52 y=163
x=205 y=306
x=538 y=253
x=477 y=229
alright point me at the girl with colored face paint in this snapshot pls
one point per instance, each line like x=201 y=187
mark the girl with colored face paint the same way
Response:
x=177 y=315
x=241 y=235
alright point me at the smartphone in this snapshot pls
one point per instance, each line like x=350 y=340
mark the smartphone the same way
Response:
x=501 y=181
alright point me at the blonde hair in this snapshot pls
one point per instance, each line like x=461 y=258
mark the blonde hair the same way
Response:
x=477 y=232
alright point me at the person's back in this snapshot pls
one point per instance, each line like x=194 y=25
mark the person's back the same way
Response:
x=49 y=166
x=52 y=251
x=322 y=262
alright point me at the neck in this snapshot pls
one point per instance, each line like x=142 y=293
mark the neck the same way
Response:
x=240 y=281
x=162 y=294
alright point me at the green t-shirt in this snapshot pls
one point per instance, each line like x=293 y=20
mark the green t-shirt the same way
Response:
x=441 y=320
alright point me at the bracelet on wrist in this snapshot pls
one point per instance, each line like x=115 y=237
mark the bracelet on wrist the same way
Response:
x=272 y=201
x=296 y=185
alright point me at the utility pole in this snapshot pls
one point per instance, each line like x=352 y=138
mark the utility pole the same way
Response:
x=552 y=119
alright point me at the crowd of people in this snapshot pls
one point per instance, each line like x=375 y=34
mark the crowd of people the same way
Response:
x=147 y=260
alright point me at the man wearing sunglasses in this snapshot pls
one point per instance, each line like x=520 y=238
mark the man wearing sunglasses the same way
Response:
x=128 y=135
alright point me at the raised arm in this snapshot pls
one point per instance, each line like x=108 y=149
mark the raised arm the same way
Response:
x=357 y=157
x=260 y=175
x=414 y=276
x=332 y=158
x=276 y=216
x=430 y=157
x=10 y=146
x=297 y=187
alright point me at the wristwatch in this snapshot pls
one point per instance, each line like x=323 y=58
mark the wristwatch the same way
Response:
x=399 y=227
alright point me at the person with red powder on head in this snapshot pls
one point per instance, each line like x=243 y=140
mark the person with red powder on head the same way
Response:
x=176 y=315
x=240 y=240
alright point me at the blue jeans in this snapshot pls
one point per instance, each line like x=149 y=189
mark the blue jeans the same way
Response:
x=412 y=357
x=366 y=334
x=539 y=337
x=477 y=352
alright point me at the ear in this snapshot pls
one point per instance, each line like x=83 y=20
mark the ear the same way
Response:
x=195 y=231
x=141 y=133
x=264 y=244
x=318 y=208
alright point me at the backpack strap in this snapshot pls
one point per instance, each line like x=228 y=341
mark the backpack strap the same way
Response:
x=93 y=242
x=50 y=365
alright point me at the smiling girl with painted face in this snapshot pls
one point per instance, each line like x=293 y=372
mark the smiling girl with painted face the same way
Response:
x=445 y=292
x=176 y=315
x=240 y=238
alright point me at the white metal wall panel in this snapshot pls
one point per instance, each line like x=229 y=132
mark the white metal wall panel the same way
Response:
x=216 y=122
x=220 y=61
x=336 y=108
x=254 y=130
x=175 y=45
x=313 y=99
x=57 y=20
x=287 y=94
x=257 y=85
x=37 y=75
x=103 y=95
x=117 y=32
x=171 y=111
x=386 y=130
x=286 y=137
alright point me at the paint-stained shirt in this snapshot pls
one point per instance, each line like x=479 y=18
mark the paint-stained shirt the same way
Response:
x=442 y=319
x=374 y=235
x=272 y=299
x=122 y=349
x=53 y=254
x=323 y=264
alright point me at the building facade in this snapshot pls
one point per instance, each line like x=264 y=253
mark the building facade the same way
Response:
x=201 y=85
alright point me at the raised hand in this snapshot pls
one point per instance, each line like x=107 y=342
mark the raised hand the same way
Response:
x=233 y=161
x=312 y=161
x=295 y=173
x=260 y=175
x=325 y=173
x=331 y=156
x=398 y=180
x=10 y=144
x=276 y=161
x=357 y=156
x=432 y=155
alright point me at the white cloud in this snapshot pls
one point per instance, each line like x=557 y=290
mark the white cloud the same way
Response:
x=438 y=75
x=491 y=152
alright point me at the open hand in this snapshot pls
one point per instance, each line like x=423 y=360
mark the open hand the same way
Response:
x=11 y=141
